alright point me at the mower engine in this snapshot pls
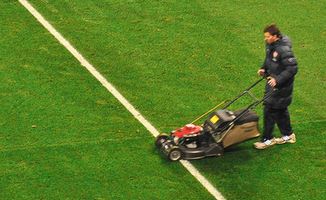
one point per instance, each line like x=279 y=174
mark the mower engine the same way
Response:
x=185 y=133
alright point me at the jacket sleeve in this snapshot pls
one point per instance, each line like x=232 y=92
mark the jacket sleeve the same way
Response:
x=289 y=62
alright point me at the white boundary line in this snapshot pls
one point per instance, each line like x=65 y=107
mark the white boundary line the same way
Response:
x=211 y=189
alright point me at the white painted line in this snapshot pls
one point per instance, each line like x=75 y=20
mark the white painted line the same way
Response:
x=211 y=189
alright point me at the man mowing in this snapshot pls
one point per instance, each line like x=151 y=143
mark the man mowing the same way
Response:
x=280 y=66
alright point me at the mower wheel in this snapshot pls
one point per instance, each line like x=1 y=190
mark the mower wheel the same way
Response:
x=160 y=139
x=175 y=154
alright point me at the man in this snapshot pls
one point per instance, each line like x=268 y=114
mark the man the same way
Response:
x=280 y=67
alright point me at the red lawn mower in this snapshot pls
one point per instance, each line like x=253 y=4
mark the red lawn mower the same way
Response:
x=223 y=128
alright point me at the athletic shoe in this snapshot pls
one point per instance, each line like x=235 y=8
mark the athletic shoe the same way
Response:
x=286 y=139
x=265 y=144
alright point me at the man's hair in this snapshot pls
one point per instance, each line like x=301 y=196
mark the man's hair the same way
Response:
x=273 y=30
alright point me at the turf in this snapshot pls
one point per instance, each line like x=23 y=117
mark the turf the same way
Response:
x=173 y=61
x=63 y=136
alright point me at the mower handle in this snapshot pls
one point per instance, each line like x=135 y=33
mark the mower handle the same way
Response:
x=245 y=92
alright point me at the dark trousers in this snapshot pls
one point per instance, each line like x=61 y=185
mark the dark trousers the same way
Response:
x=279 y=116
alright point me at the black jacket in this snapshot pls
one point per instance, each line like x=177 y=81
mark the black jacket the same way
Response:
x=280 y=64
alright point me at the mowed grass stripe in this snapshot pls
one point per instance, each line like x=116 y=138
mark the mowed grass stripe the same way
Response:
x=44 y=86
x=71 y=143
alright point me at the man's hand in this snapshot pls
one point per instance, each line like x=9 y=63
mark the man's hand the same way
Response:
x=261 y=72
x=271 y=81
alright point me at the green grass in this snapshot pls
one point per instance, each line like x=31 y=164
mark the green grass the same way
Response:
x=63 y=136
x=173 y=60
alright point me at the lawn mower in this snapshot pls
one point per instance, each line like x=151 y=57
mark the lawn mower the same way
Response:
x=222 y=128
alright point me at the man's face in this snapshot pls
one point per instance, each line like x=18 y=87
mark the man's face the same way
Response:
x=269 y=39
